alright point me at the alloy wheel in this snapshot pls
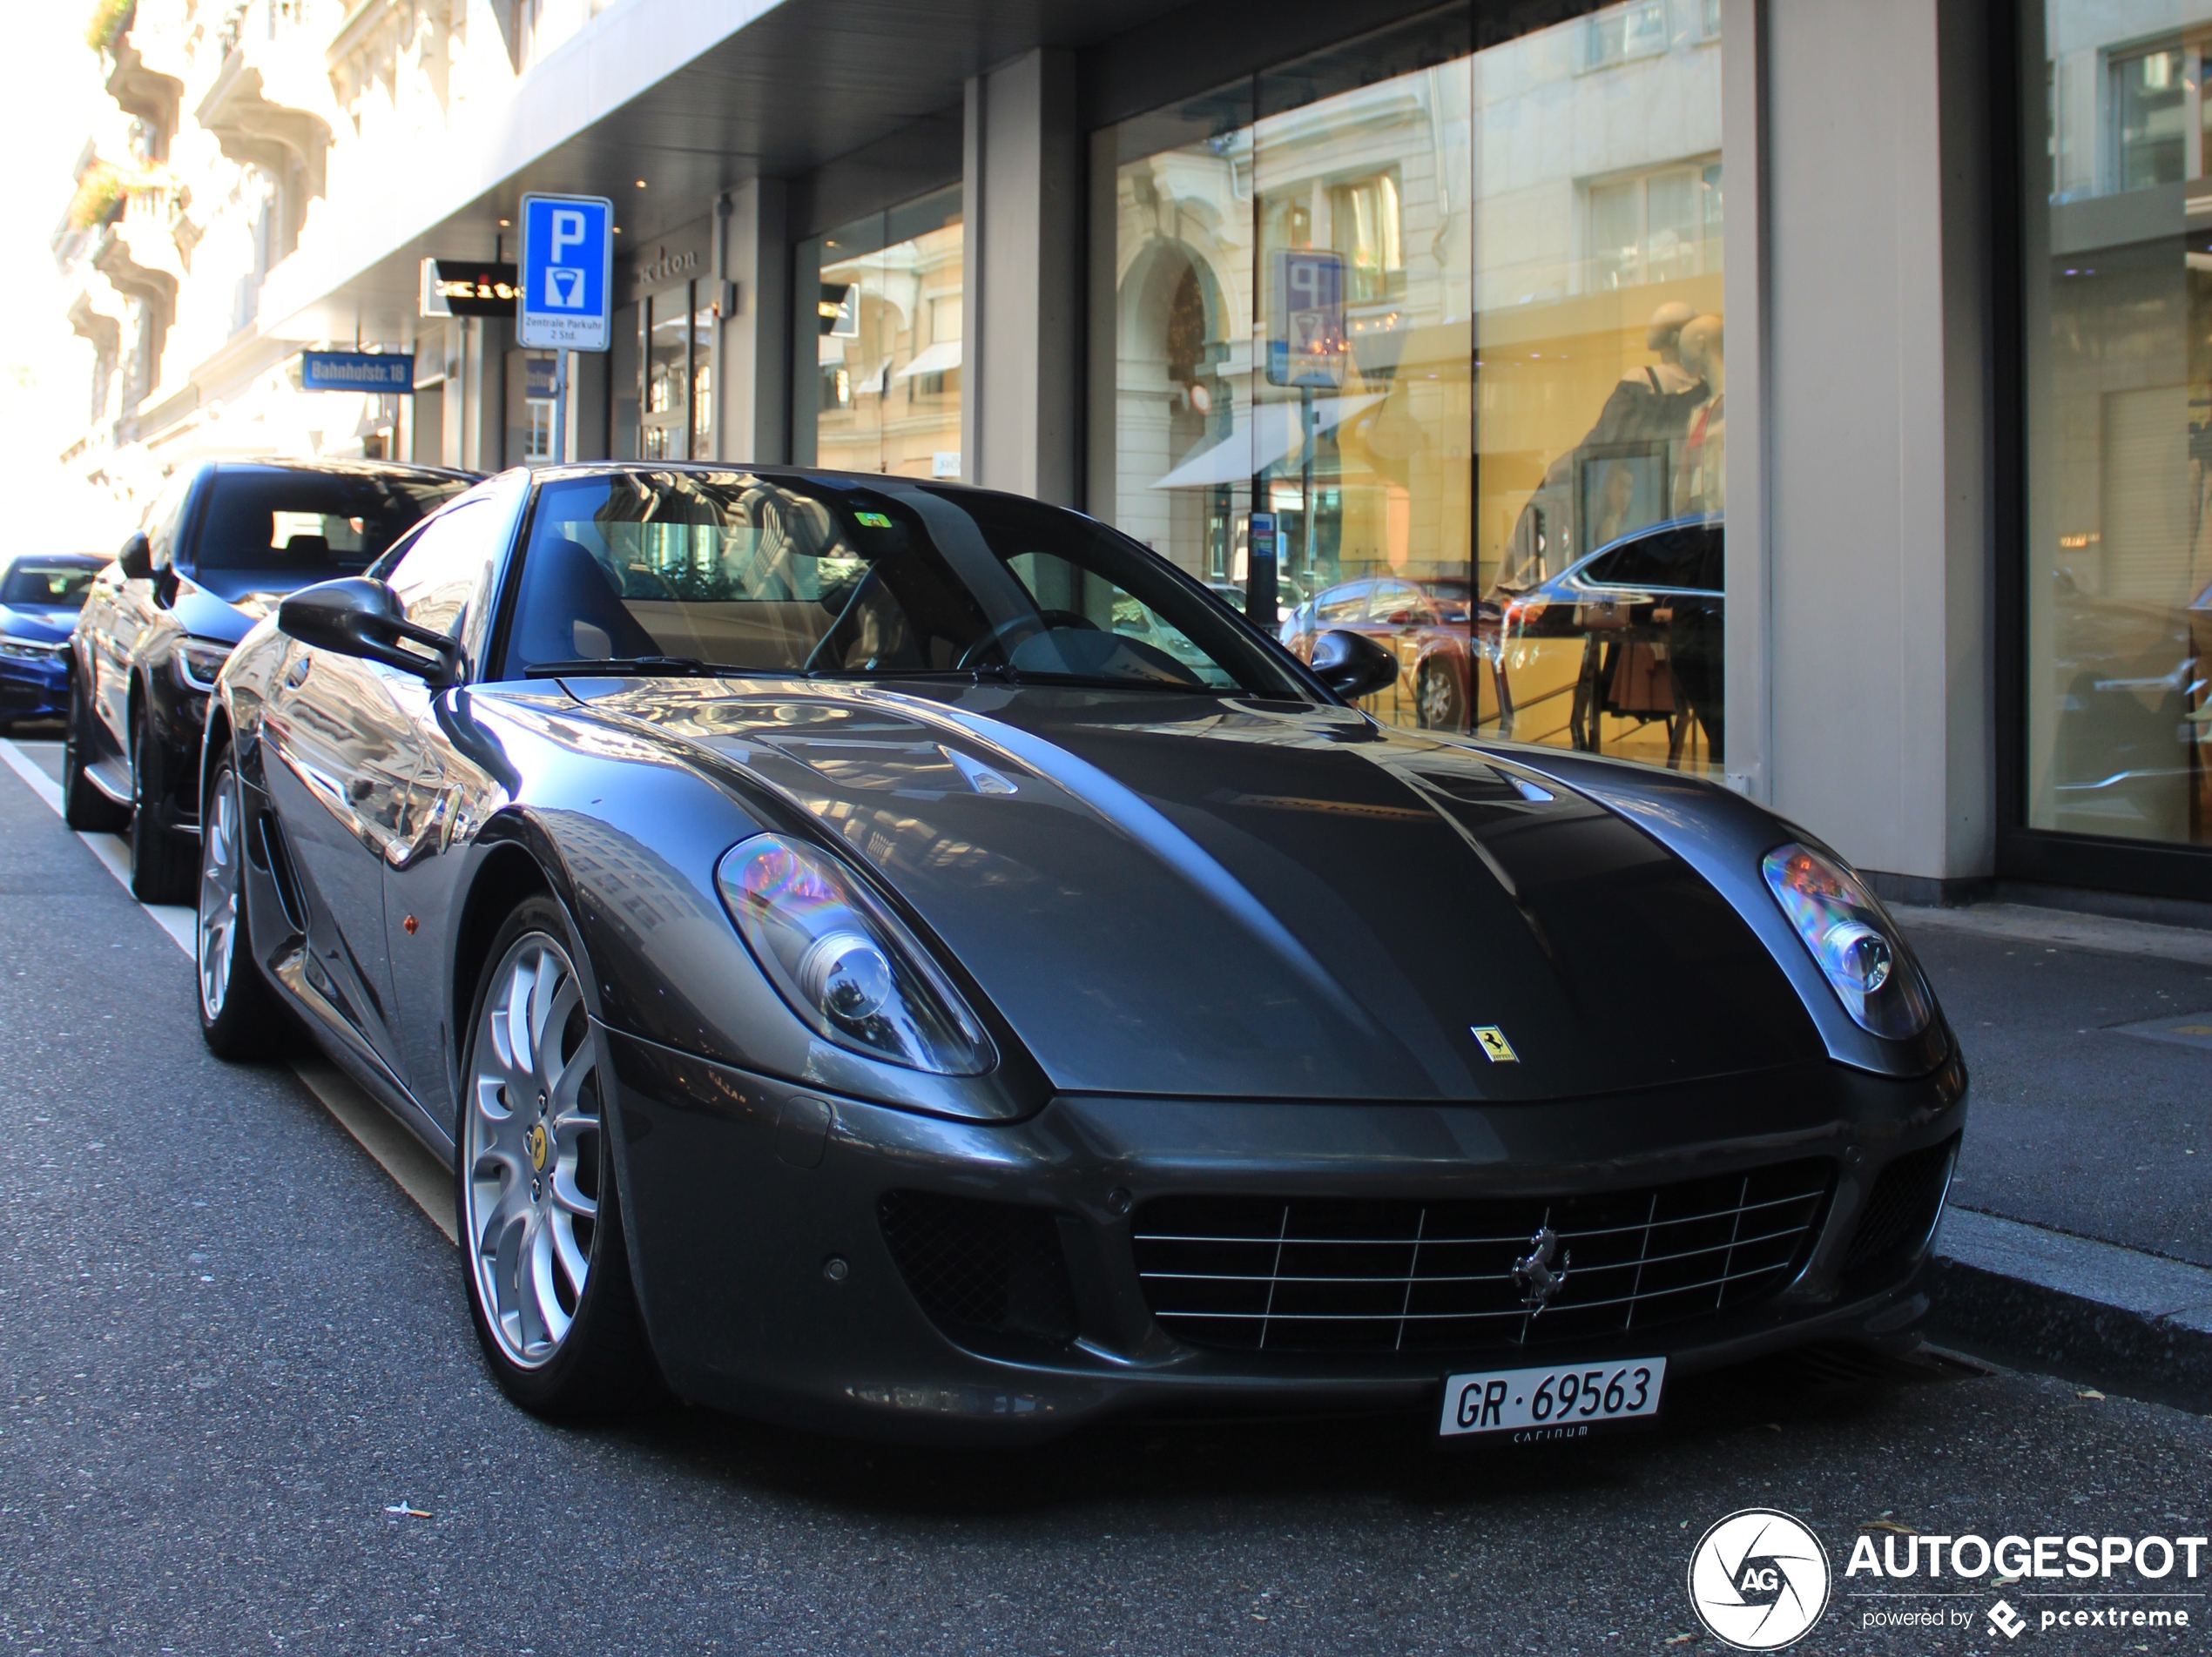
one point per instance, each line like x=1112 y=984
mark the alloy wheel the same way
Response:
x=531 y=1139
x=1435 y=700
x=220 y=871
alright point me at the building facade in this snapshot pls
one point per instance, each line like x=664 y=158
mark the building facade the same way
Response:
x=1437 y=303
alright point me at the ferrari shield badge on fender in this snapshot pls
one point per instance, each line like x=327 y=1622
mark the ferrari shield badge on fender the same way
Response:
x=1495 y=1046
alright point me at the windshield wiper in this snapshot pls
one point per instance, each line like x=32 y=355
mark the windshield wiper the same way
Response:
x=618 y=666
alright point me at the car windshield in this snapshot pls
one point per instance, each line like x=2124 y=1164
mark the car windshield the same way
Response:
x=739 y=572
x=301 y=526
x=33 y=586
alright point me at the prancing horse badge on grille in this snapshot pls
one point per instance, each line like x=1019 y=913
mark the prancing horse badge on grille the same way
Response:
x=1533 y=1274
x=1495 y=1046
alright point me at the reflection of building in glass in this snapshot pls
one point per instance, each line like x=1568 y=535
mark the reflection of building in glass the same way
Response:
x=1509 y=225
x=2118 y=221
x=885 y=386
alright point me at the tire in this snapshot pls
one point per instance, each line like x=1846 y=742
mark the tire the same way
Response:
x=84 y=806
x=239 y=1019
x=164 y=866
x=1437 y=703
x=542 y=1244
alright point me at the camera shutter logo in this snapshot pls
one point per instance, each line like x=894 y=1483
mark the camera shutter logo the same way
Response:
x=1758 y=1579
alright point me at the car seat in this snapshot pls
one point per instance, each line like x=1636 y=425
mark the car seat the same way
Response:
x=571 y=610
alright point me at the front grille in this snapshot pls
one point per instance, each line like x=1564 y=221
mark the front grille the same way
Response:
x=1308 y=1273
x=992 y=1268
x=1901 y=1210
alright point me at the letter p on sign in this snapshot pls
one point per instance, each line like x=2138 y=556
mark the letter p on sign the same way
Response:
x=567 y=232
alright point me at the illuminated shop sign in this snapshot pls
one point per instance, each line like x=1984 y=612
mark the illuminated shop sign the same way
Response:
x=462 y=287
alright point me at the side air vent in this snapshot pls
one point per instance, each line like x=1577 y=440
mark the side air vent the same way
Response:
x=978 y=1267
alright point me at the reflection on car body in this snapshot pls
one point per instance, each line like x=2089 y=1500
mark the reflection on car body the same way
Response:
x=892 y=957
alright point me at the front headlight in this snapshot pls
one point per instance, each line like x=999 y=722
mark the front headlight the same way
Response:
x=26 y=649
x=844 y=962
x=198 y=661
x=1855 y=943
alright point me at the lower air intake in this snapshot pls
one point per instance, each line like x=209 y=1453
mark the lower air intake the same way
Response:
x=1901 y=1211
x=1348 y=1274
x=978 y=1267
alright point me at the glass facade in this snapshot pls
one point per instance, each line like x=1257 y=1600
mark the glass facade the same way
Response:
x=880 y=315
x=1442 y=326
x=2117 y=318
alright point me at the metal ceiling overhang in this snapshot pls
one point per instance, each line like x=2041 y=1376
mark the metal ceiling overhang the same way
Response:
x=694 y=99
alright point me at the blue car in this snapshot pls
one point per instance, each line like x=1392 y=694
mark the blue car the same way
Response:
x=40 y=594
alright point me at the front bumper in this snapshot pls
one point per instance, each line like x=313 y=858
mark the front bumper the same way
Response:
x=769 y=1288
x=33 y=690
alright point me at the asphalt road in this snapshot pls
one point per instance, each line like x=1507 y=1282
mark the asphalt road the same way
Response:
x=2079 y=1124
x=230 y=1348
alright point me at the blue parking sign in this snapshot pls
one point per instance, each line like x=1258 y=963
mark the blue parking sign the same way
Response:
x=1306 y=338
x=568 y=272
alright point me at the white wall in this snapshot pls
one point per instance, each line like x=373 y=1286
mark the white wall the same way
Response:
x=1877 y=668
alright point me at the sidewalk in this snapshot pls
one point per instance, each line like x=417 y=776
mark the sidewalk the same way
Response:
x=2080 y=1236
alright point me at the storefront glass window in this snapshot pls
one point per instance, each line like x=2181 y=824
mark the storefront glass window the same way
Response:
x=880 y=316
x=1447 y=321
x=2117 y=320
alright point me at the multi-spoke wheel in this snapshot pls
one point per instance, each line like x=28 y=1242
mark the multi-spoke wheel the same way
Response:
x=1437 y=702
x=239 y=1019
x=547 y=1279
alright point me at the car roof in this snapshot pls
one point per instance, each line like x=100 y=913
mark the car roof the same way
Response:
x=74 y=560
x=349 y=469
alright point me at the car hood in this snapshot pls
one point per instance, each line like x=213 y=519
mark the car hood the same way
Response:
x=229 y=615
x=39 y=623
x=1194 y=896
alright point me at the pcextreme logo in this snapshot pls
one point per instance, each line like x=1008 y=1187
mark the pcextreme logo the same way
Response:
x=1758 y=1579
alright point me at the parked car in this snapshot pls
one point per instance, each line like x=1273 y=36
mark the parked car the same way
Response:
x=1649 y=609
x=1423 y=624
x=222 y=543
x=40 y=594
x=891 y=956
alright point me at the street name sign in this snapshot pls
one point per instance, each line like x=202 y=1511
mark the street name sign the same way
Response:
x=568 y=272
x=380 y=372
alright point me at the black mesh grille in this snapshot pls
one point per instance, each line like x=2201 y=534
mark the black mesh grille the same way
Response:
x=1900 y=1211
x=994 y=1266
x=1381 y=1275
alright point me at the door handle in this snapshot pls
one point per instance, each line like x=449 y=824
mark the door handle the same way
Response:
x=296 y=675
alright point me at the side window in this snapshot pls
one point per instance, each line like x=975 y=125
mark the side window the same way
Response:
x=166 y=517
x=1678 y=557
x=1341 y=604
x=442 y=568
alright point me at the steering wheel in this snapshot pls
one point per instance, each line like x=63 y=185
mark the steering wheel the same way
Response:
x=1044 y=622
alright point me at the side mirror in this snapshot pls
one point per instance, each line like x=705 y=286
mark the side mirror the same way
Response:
x=360 y=618
x=1352 y=664
x=137 y=556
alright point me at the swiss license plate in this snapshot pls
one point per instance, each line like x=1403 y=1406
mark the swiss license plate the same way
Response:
x=1536 y=1405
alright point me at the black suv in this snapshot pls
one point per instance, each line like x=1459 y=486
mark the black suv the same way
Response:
x=223 y=542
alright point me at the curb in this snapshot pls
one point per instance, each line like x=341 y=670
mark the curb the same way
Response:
x=2031 y=1298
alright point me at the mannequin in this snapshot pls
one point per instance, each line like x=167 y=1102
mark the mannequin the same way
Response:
x=1701 y=486
x=1695 y=627
x=1648 y=407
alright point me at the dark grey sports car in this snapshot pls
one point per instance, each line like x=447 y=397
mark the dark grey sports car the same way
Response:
x=904 y=958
